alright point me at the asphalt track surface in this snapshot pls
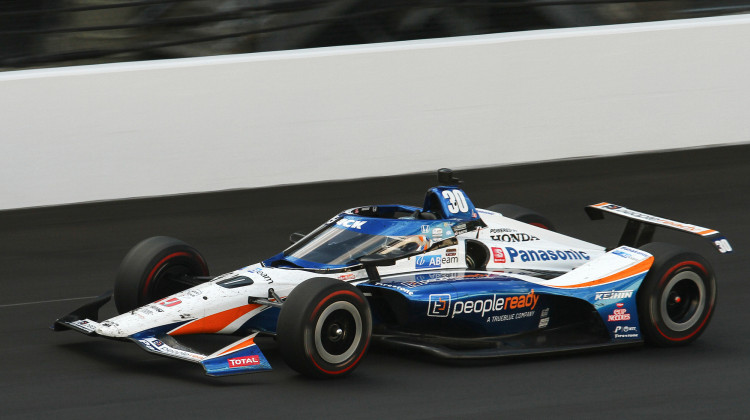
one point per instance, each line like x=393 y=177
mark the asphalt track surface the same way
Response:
x=49 y=255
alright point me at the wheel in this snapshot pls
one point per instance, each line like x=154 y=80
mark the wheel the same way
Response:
x=677 y=297
x=152 y=270
x=523 y=214
x=324 y=328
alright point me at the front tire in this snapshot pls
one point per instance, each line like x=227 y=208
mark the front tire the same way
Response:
x=677 y=297
x=152 y=269
x=324 y=328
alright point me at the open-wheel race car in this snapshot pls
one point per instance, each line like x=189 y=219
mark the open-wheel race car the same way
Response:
x=446 y=278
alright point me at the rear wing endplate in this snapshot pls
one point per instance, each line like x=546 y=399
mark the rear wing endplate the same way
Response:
x=640 y=227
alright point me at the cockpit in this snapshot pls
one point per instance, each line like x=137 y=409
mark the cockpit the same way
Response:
x=348 y=237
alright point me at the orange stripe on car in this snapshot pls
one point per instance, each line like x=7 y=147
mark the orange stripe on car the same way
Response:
x=250 y=341
x=213 y=323
x=639 y=268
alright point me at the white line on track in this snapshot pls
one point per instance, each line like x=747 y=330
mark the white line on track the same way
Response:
x=46 y=301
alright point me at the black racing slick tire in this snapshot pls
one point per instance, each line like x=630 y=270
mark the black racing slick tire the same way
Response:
x=324 y=328
x=524 y=215
x=152 y=269
x=677 y=297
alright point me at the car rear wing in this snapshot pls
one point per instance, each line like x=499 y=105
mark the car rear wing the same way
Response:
x=640 y=227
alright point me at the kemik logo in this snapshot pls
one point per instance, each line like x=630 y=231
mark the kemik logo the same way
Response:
x=351 y=224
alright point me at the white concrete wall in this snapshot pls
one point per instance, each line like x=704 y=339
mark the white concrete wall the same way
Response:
x=158 y=128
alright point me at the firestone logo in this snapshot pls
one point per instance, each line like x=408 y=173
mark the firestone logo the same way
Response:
x=244 y=361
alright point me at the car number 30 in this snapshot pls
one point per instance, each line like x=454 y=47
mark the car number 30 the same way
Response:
x=723 y=246
x=456 y=201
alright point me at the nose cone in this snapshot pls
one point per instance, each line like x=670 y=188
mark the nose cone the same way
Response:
x=111 y=328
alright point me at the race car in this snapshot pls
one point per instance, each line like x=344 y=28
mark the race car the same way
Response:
x=446 y=278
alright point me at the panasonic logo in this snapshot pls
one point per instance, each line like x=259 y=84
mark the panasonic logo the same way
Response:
x=545 y=254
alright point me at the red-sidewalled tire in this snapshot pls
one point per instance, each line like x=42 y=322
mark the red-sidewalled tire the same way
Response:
x=324 y=328
x=150 y=271
x=677 y=297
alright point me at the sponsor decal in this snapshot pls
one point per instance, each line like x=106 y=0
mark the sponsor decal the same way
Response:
x=193 y=292
x=437 y=233
x=351 y=224
x=513 y=237
x=439 y=305
x=425 y=229
x=433 y=261
x=450 y=252
x=398 y=287
x=243 y=361
x=157 y=309
x=459 y=228
x=158 y=346
x=84 y=325
x=626 y=332
x=260 y=272
x=545 y=254
x=543 y=322
x=659 y=220
x=614 y=294
x=510 y=317
x=502 y=230
x=167 y=302
x=627 y=252
x=498 y=255
x=488 y=305
x=545 y=313
x=619 y=314
x=349 y=276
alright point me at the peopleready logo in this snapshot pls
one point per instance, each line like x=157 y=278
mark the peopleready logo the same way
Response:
x=441 y=306
x=526 y=255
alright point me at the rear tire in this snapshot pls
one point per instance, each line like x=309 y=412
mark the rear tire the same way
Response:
x=677 y=297
x=523 y=214
x=150 y=271
x=324 y=328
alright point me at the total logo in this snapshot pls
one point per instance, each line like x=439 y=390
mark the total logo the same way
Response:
x=243 y=361
x=434 y=261
x=440 y=304
x=351 y=224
